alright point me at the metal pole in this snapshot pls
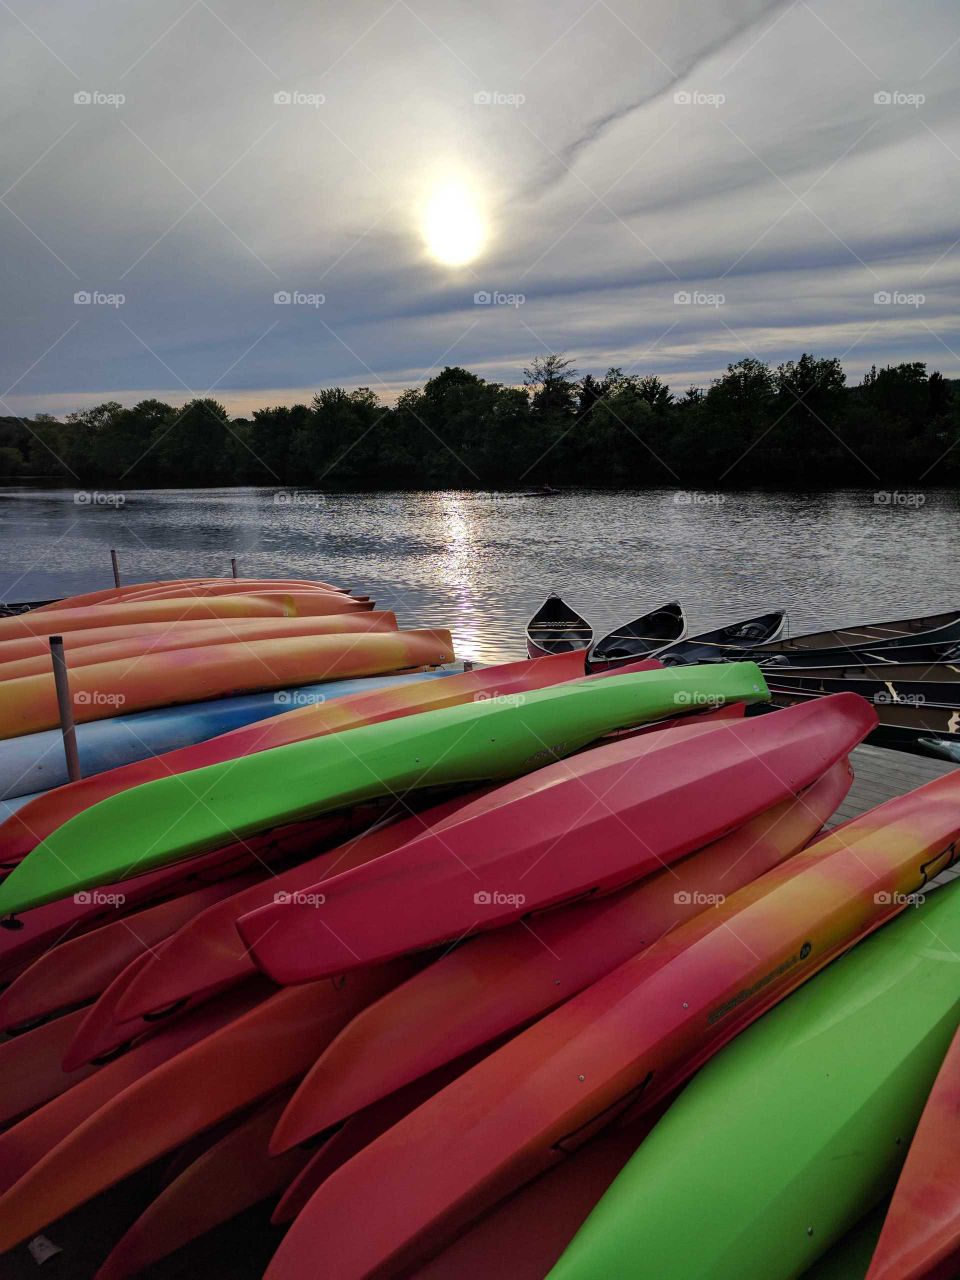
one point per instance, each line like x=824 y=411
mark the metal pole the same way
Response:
x=67 y=727
x=116 y=568
x=233 y=566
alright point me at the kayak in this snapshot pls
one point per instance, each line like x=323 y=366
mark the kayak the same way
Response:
x=205 y=957
x=188 y=635
x=206 y=953
x=234 y=1173
x=79 y=969
x=288 y=604
x=849 y=1259
x=637 y=804
x=619 y=1046
x=31 y=1069
x=920 y=1239
x=501 y=981
x=798 y=1127
x=174 y=818
x=361 y=705
x=174 y=676
x=35 y=761
x=184 y=586
x=249 y=1058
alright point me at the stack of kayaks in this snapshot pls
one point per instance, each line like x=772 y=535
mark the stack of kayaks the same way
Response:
x=423 y=961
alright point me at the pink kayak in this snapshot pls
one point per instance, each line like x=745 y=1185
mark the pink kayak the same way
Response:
x=637 y=803
x=502 y=980
x=618 y=1047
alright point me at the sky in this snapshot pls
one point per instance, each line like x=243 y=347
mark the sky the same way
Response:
x=253 y=201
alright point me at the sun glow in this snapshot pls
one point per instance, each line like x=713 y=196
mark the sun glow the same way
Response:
x=452 y=225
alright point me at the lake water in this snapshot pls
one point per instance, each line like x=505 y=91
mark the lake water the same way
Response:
x=481 y=563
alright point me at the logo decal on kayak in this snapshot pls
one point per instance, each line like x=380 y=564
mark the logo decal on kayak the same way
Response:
x=556 y=752
x=748 y=992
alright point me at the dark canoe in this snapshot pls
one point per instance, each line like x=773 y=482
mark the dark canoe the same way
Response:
x=935 y=628
x=881 y=692
x=726 y=644
x=642 y=637
x=556 y=628
x=902 y=725
x=944 y=748
x=887 y=655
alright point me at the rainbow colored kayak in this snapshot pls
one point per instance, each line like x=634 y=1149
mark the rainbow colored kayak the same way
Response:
x=792 y=1133
x=620 y=1046
x=174 y=818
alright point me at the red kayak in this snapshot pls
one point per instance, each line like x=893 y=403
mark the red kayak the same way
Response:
x=78 y=970
x=619 y=1046
x=230 y=1176
x=503 y=980
x=229 y=1069
x=30 y=1067
x=637 y=804
x=26 y=828
x=920 y=1239
x=208 y=952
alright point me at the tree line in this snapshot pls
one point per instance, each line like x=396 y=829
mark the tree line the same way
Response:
x=798 y=424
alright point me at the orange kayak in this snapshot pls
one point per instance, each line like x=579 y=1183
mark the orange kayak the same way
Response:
x=183 y=587
x=105 y=689
x=31 y=824
x=230 y=1176
x=253 y=1056
x=108 y=646
x=920 y=1238
x=290 y=604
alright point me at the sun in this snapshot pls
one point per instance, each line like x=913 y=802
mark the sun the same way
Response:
x=453 y=225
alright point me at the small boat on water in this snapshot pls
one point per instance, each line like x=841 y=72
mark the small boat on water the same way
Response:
x=725 y=644
x=884 y=684
x=642 y=637
x=556 y=628
x=904 y=726
x=936 y=628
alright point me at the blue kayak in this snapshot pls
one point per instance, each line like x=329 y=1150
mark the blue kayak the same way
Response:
x=35 y=762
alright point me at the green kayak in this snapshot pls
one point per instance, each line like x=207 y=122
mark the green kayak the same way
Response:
x=172 y=818
x=796 y=1129
x=850 y=1257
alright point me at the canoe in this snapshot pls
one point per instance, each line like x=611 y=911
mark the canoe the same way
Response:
x=289 y=604
x=943 y=748
x=725 y=643
x=107 y=595
x=642 y=637
x=360 y=706
x=501 y=981
x=173 y=818
x=556 y=628
x=189 y=635
x=79 y=969
x=520 y=848
x=180 y=676
x=912 y=683
x=35 y=762
x=234 y=1173
x=620 y=1045
x=920 y=1239
x=901 y=724
x=930 y=629
x=798 y=1127
x=249 y=1058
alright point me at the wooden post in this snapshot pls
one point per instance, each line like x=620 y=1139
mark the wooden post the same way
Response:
x=116 y=568
x=67 y=727
x=233 y=566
